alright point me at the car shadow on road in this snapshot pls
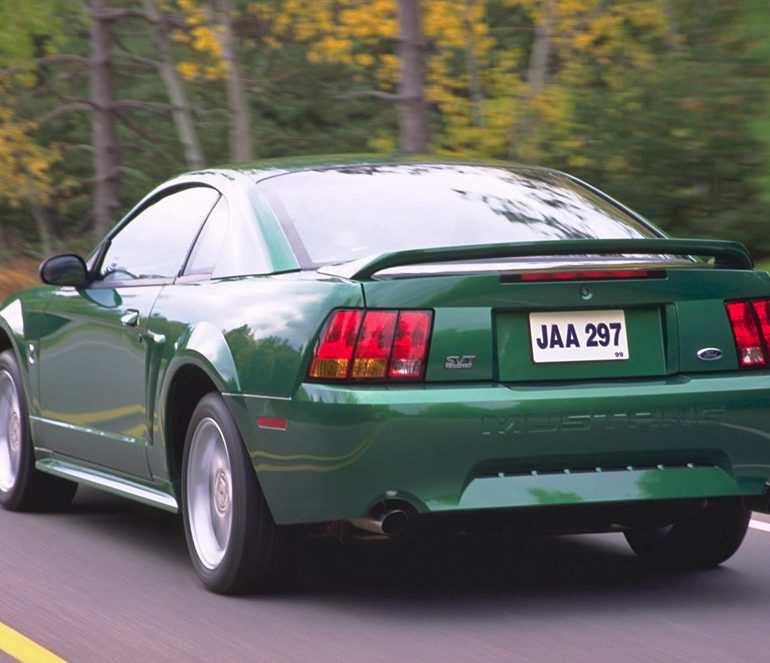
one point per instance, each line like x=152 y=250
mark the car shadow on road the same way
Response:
x=147 y=529
x=389 y=574
x=481 y=563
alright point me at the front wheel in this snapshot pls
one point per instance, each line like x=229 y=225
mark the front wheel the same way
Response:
x=22 y=487
x=233 y=542
x=702 y=539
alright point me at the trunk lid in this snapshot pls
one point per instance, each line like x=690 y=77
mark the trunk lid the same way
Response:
x=655 y=319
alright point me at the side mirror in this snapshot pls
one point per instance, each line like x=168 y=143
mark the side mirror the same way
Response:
x=66 y=269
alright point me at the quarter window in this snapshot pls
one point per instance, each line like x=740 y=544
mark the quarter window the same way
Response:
x=155 y=242
x=208 y=246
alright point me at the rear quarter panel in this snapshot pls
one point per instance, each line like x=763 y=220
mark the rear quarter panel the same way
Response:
x=250 y=335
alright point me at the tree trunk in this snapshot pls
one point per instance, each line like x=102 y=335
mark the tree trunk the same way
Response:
x=413 y=115
x=240 y=124
x=672 y=40
x=106 y=149
x=523 y=143
x=181 y=113
x=43 y=231
x=472 y=65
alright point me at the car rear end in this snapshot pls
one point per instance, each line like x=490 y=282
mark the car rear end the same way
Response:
x=611 y=377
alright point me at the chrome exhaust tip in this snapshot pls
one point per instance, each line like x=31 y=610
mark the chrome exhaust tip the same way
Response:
x=389 y=523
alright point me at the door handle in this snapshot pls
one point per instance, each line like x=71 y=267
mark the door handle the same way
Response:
x=130 y=318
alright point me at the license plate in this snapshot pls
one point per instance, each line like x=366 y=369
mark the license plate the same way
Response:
x=578 y=336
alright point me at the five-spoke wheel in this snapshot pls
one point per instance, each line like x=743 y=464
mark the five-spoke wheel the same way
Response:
x=209 y=493
x=234 y=544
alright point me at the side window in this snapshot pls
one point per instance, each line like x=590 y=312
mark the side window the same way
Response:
x=155 y=242
x=209 y=244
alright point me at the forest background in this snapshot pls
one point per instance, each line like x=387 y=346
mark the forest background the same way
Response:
x=664 y=104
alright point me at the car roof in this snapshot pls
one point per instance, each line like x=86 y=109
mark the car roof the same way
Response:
x=263 y=169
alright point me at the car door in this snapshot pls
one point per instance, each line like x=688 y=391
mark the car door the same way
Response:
x=98 y=357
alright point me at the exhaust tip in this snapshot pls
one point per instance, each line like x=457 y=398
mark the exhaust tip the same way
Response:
x=391 y=522
x=394 y=522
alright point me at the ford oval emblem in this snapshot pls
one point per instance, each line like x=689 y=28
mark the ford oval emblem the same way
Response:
x=709 y=354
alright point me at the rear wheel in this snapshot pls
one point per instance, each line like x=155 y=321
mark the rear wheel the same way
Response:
x=702 y=539
x=22 y=487
x=233 y=542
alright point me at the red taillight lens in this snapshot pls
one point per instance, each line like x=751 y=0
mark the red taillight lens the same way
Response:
x=747 y=334
x=762 y=311
x=336 y=345
x=372 y=345
x=411 y=345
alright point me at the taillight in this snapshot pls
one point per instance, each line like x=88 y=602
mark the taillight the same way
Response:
x=335 y=347
x=762 y=311
x=410 y=346
x=372 y=345
x=745 y=321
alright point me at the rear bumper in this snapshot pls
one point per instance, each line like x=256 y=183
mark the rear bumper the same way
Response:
x=489 y=446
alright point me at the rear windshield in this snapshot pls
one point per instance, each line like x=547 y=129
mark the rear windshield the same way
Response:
x=336 y=215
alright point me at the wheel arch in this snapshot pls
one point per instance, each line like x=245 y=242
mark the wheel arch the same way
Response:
x=11 y=326
x=189 y=384
x=12 y=338
x=5 y=339
x=203 y=363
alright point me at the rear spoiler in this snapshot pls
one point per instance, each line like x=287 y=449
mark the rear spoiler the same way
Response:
x=727 y=255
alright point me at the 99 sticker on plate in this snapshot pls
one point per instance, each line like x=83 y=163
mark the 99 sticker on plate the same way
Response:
x=566 y=336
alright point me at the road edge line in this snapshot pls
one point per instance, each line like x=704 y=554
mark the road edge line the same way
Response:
x=758 y=524
x=23 y=649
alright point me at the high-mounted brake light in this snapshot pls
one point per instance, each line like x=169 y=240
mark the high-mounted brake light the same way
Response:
x=746 y=330
x=583 y=275
x=372 y=345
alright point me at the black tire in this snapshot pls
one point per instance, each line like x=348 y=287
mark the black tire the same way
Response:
x=22 y=487
x=252 y=554
x=703 y=539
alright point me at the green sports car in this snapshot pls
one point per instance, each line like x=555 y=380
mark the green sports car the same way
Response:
x=385 y=346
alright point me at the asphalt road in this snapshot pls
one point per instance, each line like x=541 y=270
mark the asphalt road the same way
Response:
x=109 y=580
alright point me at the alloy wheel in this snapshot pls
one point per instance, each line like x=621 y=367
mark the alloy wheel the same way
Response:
x=209 y=493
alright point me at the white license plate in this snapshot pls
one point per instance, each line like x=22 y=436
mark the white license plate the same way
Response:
x=578 y=336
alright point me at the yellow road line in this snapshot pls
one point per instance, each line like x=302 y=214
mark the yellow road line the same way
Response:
x=23 y=649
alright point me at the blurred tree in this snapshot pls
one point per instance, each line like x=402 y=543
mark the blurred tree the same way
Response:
x=25 y=168
x=413 y=119
x=751 y=30
x=106 y=149
x=180 y=106
x=664 y=103
x=375 y=40
x=27 y=35
x=211 y=34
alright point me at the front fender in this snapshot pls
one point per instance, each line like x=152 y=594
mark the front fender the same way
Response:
x=21 y=322
x=12 y=324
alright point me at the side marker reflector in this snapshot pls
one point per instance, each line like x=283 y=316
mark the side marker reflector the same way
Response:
x=271 y=423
